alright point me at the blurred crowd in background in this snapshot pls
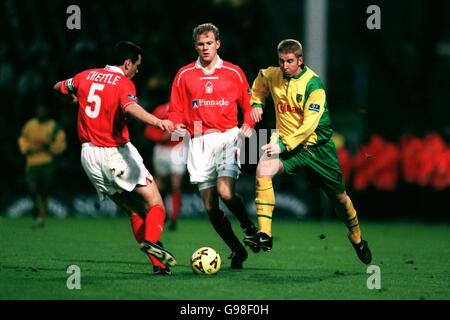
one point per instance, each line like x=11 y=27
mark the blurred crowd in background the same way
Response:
x=387 y=89
x=382 y=164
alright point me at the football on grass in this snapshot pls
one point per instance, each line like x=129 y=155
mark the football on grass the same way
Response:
x=205 y=261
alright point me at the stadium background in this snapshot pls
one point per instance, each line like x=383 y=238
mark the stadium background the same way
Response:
x=389 y=82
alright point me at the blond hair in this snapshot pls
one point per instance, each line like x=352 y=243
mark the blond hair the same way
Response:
x=204 y=28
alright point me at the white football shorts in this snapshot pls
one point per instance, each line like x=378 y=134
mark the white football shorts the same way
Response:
x=167 y=160
x=114 y=169
x=213 y=155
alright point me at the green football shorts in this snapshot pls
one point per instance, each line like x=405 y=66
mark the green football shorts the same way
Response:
x=41 y=174
x=319 y=162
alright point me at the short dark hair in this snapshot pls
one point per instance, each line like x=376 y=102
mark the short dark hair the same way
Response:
x=124 y=50
x=290 y=46
x=205 y=28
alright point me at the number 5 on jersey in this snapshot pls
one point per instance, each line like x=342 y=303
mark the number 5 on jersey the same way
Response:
x=92 y=97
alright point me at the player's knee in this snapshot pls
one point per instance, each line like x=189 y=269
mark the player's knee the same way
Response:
x=266 y=169
x=226 y=194
x=145 y=209
x=341 y=198
x=259 y=171
x=209 y=208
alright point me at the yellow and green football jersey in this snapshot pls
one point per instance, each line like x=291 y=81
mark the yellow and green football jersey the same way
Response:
x=301 y=111
x=41 y=141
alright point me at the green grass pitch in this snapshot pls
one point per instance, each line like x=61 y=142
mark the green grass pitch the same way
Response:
x=413 y=259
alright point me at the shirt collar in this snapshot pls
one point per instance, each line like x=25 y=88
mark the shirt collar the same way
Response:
x=302 y=72
x=114 y=69
x=218 y=65
x=304 y=68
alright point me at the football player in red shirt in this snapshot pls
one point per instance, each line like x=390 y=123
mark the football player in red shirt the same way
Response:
x=169 y=162
x=106 y=97
x=203 y=102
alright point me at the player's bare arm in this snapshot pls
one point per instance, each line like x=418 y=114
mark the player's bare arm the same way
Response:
x=246 y=130
x=180 y=130
x=256 y=114
x=271 y=149
x=137 y=112
x=57 y=86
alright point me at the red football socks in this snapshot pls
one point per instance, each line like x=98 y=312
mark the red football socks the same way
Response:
x=176 y=205
x=137 y=224
x=154 y=223
x=149 y=229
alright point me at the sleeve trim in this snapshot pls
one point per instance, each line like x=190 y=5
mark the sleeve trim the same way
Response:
x=283 y=147
x=127 y=104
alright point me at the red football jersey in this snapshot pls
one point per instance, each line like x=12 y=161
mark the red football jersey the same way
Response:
x=210 y=99
x=103 y=95
x=156 y=134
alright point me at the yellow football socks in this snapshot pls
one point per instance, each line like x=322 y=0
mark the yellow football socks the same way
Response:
x=347 y=213
x=265 y=202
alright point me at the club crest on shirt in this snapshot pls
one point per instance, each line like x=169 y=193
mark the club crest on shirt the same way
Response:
x=299 y=97
x=209 y=87
x=314 y=107
x=195 y=104
x=130 y=96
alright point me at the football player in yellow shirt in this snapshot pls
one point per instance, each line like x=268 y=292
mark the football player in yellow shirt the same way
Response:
x=302 y=143
x=41 y=140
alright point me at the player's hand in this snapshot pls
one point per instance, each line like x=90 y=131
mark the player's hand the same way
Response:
x=165 y=125
x=256 y=114
x=180 y=130
x=246 y=131
x=271 y=149
x=74 y=99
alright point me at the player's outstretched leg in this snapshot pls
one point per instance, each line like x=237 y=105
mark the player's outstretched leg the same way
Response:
x=226 y=191
x=223 y=227
x=154 y=224
x=346 y=211
x=138 y=227
x=250 y=234
x=156 y=250
x=265 y=203
x=363 y=252
x=236 y=206
x=259 y=241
